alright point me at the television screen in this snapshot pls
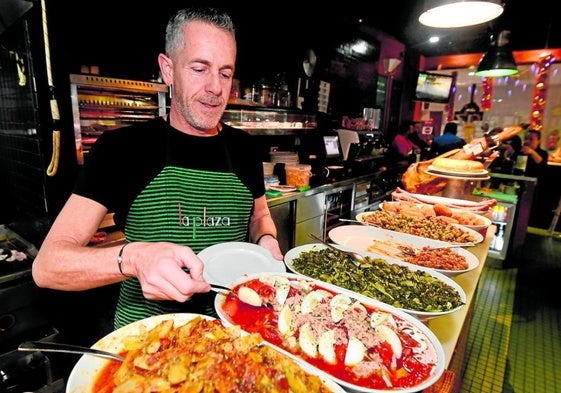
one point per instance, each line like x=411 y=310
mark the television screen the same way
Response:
x=332 y=149
x=434 y=87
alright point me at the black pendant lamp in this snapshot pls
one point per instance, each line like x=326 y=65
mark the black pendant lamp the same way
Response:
x=498 y=61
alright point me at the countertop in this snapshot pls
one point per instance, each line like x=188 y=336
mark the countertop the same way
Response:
x=452 y=330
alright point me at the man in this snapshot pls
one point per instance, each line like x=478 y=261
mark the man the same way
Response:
x=176 y=186
x=536 y=157
x=449 y=140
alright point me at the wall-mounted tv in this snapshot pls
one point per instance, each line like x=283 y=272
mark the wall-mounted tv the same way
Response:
x=432 y=87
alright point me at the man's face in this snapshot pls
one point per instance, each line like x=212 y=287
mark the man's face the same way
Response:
x=201 y=75
x=532 y=140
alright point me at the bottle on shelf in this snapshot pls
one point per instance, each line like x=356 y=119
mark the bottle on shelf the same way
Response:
x=498 y=242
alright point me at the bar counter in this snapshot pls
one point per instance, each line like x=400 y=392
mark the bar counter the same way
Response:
x=453 y=330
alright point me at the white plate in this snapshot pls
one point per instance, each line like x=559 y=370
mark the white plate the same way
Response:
x=362 y=246
x=408 y=324
x=434 y=199
x=463 y=176
x=421 y=315
x=473 y=234
x=225 y=262
x=82 y=376
x=283 y=188
x=451 y=172
x=484 y=221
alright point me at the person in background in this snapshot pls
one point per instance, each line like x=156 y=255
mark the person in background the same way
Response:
x=402 y=145
x=423 y=144
x=508 y=152
x=552 y=141
x=449 y=140
x=536 y=166
x=537 y=157
x=186 y=182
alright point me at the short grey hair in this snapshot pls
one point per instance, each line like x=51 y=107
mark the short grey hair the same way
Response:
x=174 y=29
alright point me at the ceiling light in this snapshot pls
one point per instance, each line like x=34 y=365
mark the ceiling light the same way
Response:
x=459 y=13
x=498 y=61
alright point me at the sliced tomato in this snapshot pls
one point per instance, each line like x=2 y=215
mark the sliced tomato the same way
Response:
x=386 y=353
x=265 y=291
x=340 y=352
x=230 y=307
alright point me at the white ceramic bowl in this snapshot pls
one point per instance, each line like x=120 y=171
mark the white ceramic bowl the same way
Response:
x=363 y=239
x=419 y=314
x=407 y=325
x=474 y=221
x=84 y=373
x=476 y=235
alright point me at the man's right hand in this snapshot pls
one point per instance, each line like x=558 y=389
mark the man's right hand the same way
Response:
x=159 y=267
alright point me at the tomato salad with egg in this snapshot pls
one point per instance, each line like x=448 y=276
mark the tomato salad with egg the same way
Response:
x=354 y=342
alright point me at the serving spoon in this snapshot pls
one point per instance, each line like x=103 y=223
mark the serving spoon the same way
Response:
x=67 y=348
x=355 y=257
x=358 y=222
x=245 y=294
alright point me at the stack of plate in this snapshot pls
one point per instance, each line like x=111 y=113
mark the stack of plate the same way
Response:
x=286 y=157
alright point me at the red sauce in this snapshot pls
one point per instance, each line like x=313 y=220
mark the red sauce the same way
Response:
x=409 y=372
x=104 y=380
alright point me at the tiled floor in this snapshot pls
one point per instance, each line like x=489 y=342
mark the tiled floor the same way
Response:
x=514 y=344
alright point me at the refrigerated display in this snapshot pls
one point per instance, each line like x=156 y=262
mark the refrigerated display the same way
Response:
x=503 y=219
x=514 y=195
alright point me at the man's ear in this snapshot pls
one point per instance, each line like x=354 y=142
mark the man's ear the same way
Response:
x=166 y=68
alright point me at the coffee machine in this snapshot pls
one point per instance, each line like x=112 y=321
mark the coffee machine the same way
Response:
x=362 y=150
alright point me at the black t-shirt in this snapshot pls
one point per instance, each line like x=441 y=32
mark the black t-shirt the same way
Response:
x=123 y=162
x=534 y=169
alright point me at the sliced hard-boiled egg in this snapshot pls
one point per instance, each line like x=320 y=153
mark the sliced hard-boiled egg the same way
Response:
x=312 y=299
x=307 y=340
x=285 y=321
x=358 y=306
x=282 y=286
x=326 y=346
x=355 y=351
x=339 y=303
x=391 y=337
x=249 y=296
x=382 y=318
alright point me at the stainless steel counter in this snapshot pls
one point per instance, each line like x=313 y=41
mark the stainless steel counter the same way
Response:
x=319 y=209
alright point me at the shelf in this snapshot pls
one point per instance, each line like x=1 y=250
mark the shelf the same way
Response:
x=101 y=104
x=269 y=121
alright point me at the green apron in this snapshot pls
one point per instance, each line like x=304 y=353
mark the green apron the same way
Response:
x=190 y=207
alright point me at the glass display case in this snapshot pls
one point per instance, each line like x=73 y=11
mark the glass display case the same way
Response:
x=514 y=195
x=503 y=219
x=101 y=104
x=269 y=121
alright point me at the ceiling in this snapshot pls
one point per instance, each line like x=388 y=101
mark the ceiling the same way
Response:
x=131 y=39
x=532 y=26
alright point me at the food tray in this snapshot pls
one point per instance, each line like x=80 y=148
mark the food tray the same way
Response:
x=24 y=252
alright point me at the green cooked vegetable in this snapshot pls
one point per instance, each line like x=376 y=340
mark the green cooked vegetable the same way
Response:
x=392 y=284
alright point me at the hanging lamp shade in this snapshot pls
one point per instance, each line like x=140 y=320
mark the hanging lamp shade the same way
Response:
x=498 y=61
x=459 y=13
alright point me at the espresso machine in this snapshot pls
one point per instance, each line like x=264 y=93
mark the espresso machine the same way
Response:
x=363 y=151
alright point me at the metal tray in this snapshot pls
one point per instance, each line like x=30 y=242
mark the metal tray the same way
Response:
x=10 y=270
